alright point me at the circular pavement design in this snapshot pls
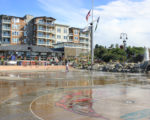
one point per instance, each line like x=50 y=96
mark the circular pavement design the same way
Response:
x=93 y=103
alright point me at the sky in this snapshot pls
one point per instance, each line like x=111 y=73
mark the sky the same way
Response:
x=116 y=17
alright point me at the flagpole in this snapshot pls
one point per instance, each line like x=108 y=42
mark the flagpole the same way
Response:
x=92 y=51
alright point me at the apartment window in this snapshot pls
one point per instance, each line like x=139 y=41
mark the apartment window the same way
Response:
x=76 y=38
x=58 y=37
x=25 y=27
x=25 y=33
x=40 y=27
x=25 y=40
x=16 y=20
x=41 y=21
x=58 y=30
x=40 y=34
x=15 y=26
x=15 y=33
x=65 y=37
x=76 y=32
x=65 y=30
x=40 y=41
x=15 y=40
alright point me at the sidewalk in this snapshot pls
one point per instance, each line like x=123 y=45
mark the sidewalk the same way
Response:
x=34 y=68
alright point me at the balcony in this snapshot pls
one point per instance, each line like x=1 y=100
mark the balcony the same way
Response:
x=84 y=41
x=84 y=36
x=70 y=40
x=46 y=24
x=5 y=35
x=70 y=34
x=6 y=28
x=50 y=31
x=41 y=36
x=6 y=21
x=50 y=38
x=47 y=31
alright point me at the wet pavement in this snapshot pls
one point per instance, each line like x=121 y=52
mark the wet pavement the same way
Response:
x=76 y=95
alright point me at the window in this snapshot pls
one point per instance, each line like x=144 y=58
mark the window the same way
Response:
x=58 y=37
x=15 y=40
x=65 y=37
x=15 y=26
x=58 y=30
x=16 y=20
x=65 y=30
x=40 y=34
x=40 y=27
x=15 y=33
x=41 y=21
x=76 y=32
x=76 y=38
x=40 y=41
x=25 y=40
x=25 y=33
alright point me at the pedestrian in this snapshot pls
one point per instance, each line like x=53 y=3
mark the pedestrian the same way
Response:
x=67 y=67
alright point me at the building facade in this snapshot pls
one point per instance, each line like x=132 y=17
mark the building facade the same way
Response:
x=13 y=29
x=62 y=33
x=43 y=31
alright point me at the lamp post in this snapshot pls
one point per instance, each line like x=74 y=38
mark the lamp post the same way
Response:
x=124 y=37
x=92 y=51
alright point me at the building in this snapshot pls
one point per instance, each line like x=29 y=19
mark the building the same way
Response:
x=62 y=33
x=12 y=29
x=43 y=31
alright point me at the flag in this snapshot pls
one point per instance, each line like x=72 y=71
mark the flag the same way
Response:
x=87 y=16
x=87 y=28
x=97 y=23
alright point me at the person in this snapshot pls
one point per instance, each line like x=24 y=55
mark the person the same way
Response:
x=67 y=67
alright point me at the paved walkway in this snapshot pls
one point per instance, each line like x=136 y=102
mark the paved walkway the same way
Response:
x=34 y=68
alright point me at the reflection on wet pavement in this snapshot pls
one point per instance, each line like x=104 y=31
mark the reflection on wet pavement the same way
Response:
x=79 y=95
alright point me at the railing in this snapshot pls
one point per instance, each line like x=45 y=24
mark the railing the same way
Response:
x=44 y=23
x=6 y=21
x=6 y=35
x=84 y=41
x=70 y=40
x=70 y=34
x=6 y=28
x=45 y=37
x=48 y=31
x=82 y=35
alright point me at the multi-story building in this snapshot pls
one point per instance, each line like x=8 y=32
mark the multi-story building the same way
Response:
x=12 y=29
x=62 y=33
x=43 y=31
x=77 y=35
x=78 y=42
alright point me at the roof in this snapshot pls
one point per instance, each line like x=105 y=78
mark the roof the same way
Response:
x=44 y=17
x=57 y=24
x=26 y=48
x=11 y=16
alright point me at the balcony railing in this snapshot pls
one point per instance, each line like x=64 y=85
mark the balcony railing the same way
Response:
x=6 y=21
x=70 y=40
x=46 y=37
x=6 y=35
x=48 y=31
x=84 y=41
x=6 y=28
x=70 y=34
x=84 y=36
x=44 y=23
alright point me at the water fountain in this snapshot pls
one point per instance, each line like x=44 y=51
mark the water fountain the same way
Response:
x=146 y=54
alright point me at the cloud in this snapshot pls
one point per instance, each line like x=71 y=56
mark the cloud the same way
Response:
x=115 y=17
